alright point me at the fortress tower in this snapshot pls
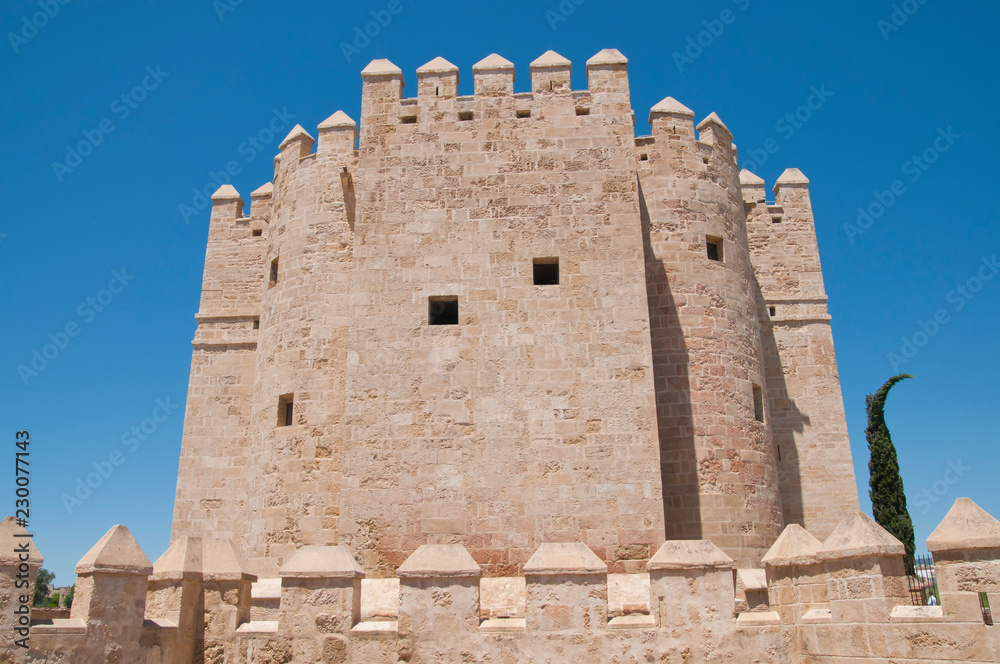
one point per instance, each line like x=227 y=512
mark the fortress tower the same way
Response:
x=502 y=320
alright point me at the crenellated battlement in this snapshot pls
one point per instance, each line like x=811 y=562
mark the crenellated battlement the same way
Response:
x=844 y=597
x=501 y=320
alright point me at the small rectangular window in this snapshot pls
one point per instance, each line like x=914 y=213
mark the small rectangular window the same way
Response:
x=714 y=247
x=775 y=220
x=545 y=271
x=273 y=279
x=643 y=157
x=442 y=311
x=771 y=311
x=758 y=403
x=582 y=110
x=408 y=119
x=463 y=116
x=256 y=323
x=257 y=232
x=286 y=410
x=523 y=113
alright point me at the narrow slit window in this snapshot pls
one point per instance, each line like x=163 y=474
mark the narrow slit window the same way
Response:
x=465 y=116
x=714 y=247
x=273 y=279
x=286 y=410
x=771 y=311
x=442 y=311
x=758 y=403
x=545 y=271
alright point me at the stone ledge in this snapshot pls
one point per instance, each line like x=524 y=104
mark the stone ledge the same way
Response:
x=916 y=614
x=258 y=627
x=503 y=625
x=759 y=618
x=376 y=628
x=60 y=626
x=818 y=616
x=635 y=621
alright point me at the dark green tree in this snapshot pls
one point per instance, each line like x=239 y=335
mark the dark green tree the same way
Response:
x=42 y=581
x=68 y=597
x=886 y=484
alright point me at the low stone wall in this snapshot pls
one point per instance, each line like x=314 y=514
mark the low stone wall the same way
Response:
x=841 y=600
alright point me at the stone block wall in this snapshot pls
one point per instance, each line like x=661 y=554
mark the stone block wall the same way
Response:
x=193 y=605
x=650 y=394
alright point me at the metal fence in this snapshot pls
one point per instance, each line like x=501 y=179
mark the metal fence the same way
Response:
x=922 y=580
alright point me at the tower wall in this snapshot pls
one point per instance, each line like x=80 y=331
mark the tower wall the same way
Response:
x=816 y=474
x=294 y=478
x=532 y=420
x=640 y=398
x=718 y=466
x=212 y=478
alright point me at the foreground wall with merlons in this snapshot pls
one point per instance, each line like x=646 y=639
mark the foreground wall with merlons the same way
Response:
x=841 y=600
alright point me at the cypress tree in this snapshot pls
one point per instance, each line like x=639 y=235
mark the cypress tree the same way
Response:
x=886 y=484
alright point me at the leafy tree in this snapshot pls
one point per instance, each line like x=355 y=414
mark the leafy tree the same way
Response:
x=42 y=581
x=886 y=484
x=68 y=597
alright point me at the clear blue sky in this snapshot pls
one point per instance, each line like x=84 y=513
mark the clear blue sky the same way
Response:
x=65 y=229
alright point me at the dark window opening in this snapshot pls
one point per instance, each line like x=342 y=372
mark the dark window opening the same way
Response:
x=409 y=119
x=523 y=113
x=779 y=452
x=644 y=157
x=464 y=116
x=772 y=311
x=546 y=271
x=256 y=323
x=257 y=232
x=286 y=410
x=274 y=273
x=775 y=220
x=582 y=110
x=442 y=311
x=437 y=91
x=758 y=403
x=714 y=247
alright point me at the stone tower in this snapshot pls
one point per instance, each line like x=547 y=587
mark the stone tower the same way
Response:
x=502 y=320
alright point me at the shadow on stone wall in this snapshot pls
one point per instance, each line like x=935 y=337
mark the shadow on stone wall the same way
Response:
x=678 y=460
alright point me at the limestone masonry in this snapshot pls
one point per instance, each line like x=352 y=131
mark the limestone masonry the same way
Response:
x=489 y=378
x=614 y=408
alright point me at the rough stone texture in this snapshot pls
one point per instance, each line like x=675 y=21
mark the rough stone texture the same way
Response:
x=803 y=387
x=569 y=617
x=19 y=564
x=616 y=408
x=654 y=400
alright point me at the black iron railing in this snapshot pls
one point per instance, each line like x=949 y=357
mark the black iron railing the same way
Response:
x=922 y=580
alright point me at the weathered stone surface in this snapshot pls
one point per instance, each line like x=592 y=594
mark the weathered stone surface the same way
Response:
x=966 y=527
